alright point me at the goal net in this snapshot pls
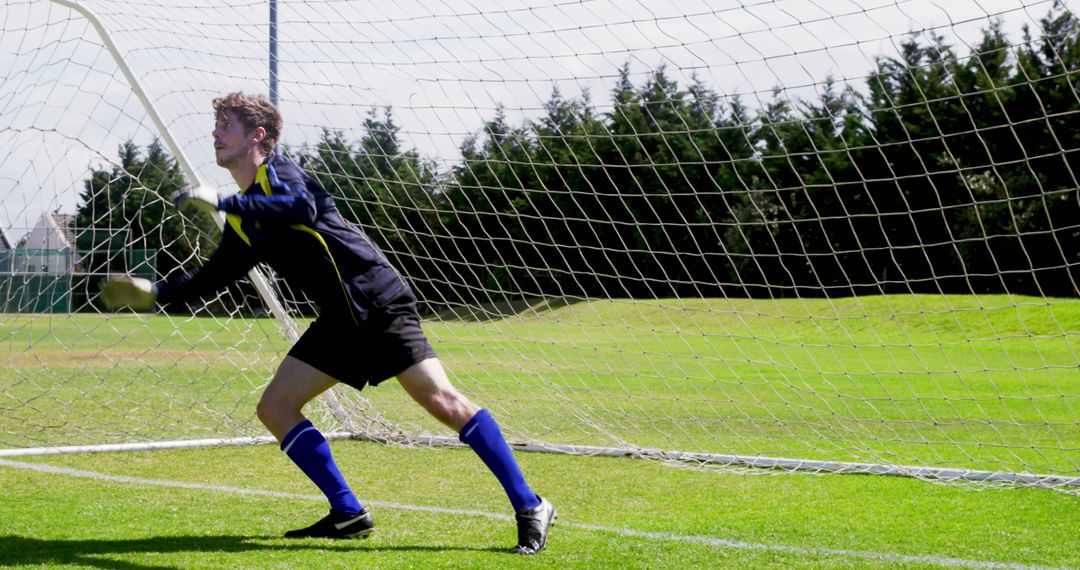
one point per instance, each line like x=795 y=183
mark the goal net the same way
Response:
x=784 y=234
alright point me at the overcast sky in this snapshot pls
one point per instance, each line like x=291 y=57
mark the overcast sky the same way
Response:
x=444 y=66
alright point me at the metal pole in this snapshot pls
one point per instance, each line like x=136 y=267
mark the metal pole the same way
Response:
x=273 y=53
x=136 y=87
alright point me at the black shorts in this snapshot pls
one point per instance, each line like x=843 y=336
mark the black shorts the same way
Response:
x=381 y=347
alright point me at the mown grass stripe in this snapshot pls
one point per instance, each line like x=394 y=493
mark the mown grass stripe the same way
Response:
x=717 y=542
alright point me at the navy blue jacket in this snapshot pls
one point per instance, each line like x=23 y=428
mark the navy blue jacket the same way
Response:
x=288 y=221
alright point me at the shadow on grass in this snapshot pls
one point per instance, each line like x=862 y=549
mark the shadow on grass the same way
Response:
x=20 y=550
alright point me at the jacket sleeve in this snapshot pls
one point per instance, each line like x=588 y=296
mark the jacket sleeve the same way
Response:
x=232 y=259
x=289 y=199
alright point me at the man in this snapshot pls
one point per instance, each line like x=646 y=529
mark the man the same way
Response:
x=368 y=329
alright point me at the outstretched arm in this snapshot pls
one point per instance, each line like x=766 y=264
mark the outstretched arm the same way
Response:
x=232 y=260
x=284 y=196
x=280 y=194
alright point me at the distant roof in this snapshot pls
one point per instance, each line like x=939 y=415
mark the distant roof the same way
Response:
x=66 y=224
x=5 y=241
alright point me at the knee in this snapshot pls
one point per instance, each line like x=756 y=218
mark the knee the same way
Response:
x=452 y=408
x=272 y=411
x=264 y=410
x=427 y=383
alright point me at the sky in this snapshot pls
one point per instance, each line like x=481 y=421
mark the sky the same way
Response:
x=443 y=66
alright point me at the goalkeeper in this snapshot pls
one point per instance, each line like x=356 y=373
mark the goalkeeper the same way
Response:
x=368 y=328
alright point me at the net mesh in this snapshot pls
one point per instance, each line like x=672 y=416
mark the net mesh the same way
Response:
x=778 y=229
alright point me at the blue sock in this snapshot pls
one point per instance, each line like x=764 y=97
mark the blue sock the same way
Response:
x=483 y=435
x=311 y=453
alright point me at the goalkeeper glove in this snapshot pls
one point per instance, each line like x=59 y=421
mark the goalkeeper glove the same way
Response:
x=204 y=197
x=133 y=292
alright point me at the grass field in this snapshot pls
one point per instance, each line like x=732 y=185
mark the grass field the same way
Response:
x=985 y=383
x=614 y=513
x=970 y=382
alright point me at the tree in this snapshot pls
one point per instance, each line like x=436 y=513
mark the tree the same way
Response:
x=125 y=222
x=487 y=194
x=1042 y=196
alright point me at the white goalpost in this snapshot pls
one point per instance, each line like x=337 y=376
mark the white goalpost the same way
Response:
x=771 y=236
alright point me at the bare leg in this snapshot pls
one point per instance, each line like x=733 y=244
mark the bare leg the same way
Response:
x=427 y=383
x=294 y=385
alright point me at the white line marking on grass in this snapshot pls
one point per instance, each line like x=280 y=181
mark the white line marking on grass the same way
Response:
x=656 y=536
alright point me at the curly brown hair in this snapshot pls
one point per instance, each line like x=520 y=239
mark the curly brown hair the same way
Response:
x=253 y=111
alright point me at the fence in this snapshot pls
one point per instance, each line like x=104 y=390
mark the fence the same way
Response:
x=64 y=280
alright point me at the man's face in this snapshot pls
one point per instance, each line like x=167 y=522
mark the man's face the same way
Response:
x=232 y=140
